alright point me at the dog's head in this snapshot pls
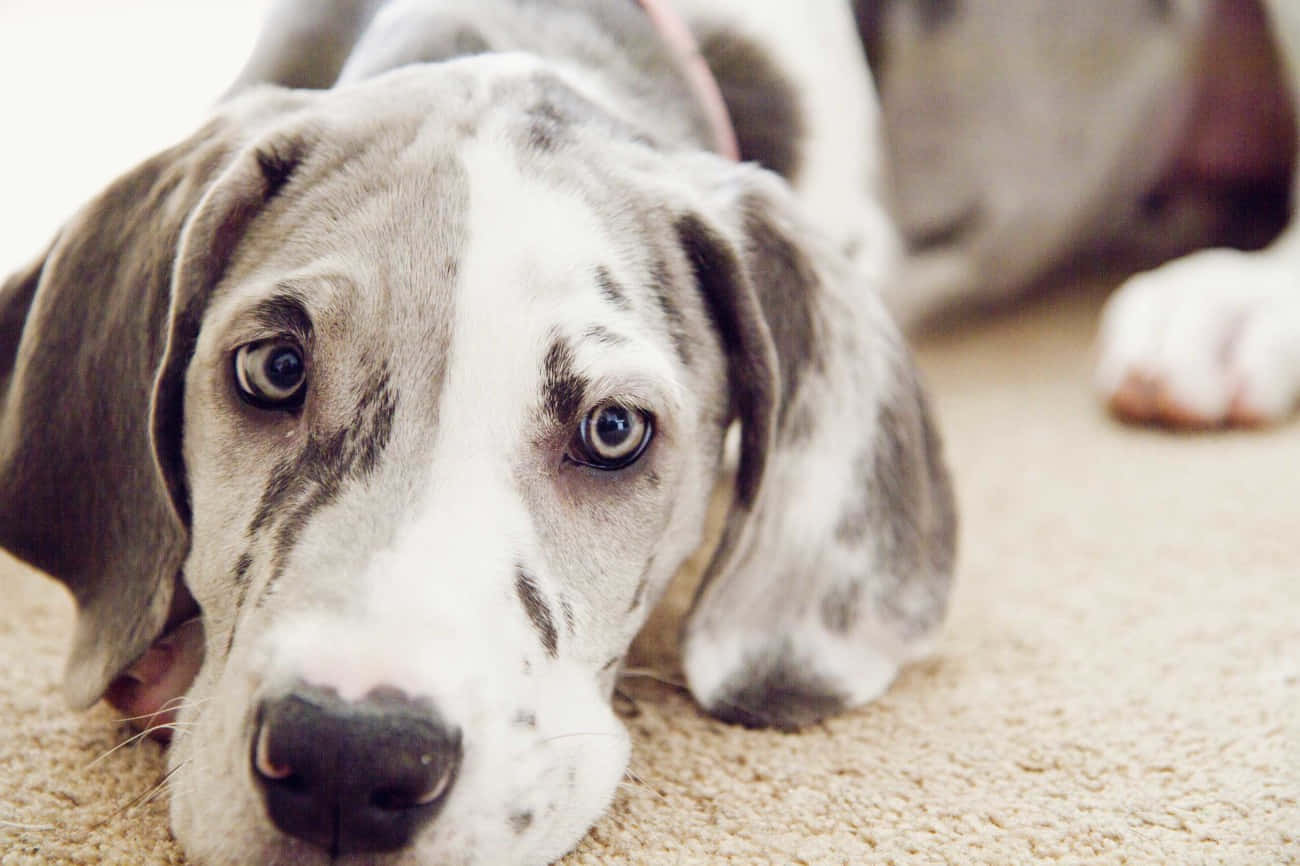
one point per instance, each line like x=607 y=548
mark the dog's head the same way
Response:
x=422 y=386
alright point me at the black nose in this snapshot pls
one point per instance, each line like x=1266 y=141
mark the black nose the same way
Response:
x=353 y=777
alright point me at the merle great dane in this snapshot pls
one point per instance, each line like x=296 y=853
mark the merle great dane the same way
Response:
x=374 y=417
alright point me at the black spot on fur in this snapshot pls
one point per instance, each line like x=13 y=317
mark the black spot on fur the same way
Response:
x=763 y=105
x=526 y=719
x=774 y=690
x=241 y=568
x=610 y=289
x=538 y=612
x=277 y=168
x=521 y=821
x=563 y=390
x=719 y=279
x=284 y=313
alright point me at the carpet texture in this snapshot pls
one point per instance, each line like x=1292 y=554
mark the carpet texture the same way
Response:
x=1118 y=683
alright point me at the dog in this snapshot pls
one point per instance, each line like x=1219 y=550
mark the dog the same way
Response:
x=367 y=424
x=1027 y=135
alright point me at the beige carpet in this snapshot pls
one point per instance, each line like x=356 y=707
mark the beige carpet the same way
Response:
x=1120 y=678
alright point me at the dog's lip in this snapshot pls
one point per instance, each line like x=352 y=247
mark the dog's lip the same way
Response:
x=151 y=690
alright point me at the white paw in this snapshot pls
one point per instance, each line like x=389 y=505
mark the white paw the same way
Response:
x=1207 y=340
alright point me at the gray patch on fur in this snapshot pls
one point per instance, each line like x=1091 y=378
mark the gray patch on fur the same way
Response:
x=661 y=281
x=960 y=225
x=610 y=289
x=786 y=285
x=935 y=14
x=604 y=335
x=841 y=608
x=904 y=510
x=763 y=104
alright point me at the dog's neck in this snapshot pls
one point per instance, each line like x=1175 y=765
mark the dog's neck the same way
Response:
x=640 y=54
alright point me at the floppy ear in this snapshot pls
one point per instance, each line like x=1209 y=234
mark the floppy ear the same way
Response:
x=94 y=339
x=837 y=557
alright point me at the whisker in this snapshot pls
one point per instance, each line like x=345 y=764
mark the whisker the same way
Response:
x=643 y=783
x=651 y=674
x=579 y=734
x=15 y=825
x=177 y=703
x=179 y=727
x=150 y=794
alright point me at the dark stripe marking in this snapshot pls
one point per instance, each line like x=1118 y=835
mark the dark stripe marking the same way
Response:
x=303 y=485
x=610 y=289
x=563 y=390
x=538 y=612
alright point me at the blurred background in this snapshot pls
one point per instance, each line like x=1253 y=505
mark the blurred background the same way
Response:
x=78 y=105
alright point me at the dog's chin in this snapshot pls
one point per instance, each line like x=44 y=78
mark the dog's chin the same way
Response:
x=526 y=793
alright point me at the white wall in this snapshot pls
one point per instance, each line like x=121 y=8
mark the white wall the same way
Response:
x=90 y=87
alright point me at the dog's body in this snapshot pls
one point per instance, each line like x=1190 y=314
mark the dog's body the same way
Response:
x=1027 y=135
x=357 y=350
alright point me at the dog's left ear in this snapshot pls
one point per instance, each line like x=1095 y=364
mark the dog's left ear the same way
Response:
x=95 y=337
x=835 y=564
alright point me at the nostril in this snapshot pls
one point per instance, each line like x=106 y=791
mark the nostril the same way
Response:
x=427 y=791
x=359 y=776
x=267 y=768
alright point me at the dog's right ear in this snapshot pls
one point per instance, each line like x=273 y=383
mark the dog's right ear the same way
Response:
x=94 y=340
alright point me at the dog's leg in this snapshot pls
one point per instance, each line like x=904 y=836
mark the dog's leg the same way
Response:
x=1212 y=338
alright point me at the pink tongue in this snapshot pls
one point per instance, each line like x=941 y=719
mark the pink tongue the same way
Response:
x=149 y=693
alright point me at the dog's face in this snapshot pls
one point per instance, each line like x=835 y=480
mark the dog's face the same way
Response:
x=429 y=411
x=494 y=444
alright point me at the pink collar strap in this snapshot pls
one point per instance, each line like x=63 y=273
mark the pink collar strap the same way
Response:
x=684 y=48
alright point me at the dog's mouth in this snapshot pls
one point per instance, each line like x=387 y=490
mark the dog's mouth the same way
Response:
x=150 y=692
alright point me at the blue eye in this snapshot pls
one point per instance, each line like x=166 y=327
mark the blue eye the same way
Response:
x=613 y=436
x=271 y=374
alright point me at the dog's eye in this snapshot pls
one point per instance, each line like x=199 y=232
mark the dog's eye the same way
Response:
x=613 y=436
x=271 y=374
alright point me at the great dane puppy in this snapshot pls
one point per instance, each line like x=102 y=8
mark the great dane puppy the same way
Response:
x=385 y=406
x=1027 y=134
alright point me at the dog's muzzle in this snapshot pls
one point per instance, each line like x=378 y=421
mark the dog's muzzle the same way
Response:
x=353 y=776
